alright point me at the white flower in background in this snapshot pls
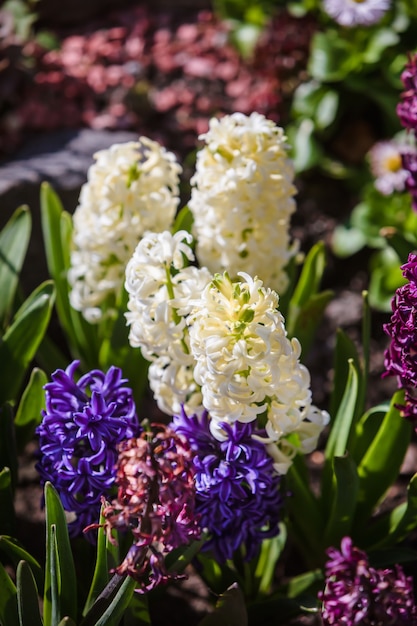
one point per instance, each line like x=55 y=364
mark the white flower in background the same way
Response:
x=131 y=188
x=242 y=199
x=162 y=291
x=248 y=369
x=386 y=165
x=356 y=12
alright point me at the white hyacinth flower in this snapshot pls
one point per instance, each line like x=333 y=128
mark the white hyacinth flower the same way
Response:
x=242 y=199
x=131 y=188
x=248 y=368
x=162 y=291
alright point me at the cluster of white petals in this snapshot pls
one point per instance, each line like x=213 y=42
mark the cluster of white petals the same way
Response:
x=242 y=199
x=162 y=290
x=249 y=369
x=131 y=188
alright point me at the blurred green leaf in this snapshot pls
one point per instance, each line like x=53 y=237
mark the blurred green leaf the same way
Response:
x=328 y=54
x=7 y=514
x=60 y=578
x=307 y=151
x=29 y=411
x=230 y=610
x=366 y=430
x=8 y=453
x=14 y=240
x=347 y=240
x=8 y=600
x=380 y=39
x=308 y=319
x=23 y=337
x=184 y=220
x=27 y=596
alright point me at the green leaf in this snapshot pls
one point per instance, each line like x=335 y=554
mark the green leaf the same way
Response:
x=23 y=337
x=110 y=606
x=306 y=530
x=271 y=550
x=14 y=240
x=28 y=414
x=347 y=240
x=106 y=558
x=60 y=575
x=301 y=583
x=337 y=442
x=381 y=463
x=381 y=39
x=344 y=352
x=328 y=54
x=7 y=514
x=307 y=152
x=8 y=600
x=345 y=489
x=57 y=228
x=230 y=610
x=8 y=453
x=366 y=430
x=395 y=525
x=27 y=596
x=308 y=319
x=184 y=220
x=16 y=553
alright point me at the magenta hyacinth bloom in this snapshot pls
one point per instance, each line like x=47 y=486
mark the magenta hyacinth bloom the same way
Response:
x=238 y=497
x=407 y=108
x=401 y=355
x=155 y=502
x=357 y=594
x=82 y=425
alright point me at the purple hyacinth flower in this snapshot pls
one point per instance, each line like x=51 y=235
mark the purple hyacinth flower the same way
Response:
x=82 y=425
x=357 y=594
x=401 y=355
x=238 y=495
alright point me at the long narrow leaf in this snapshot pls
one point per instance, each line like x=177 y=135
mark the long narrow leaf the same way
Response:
x=8 y=600
x=230 y=610
x=344 y=495
x=14 y=240
x=17 y=553
x=28 y=414
x=341 y=427
x=56 y=228
x=58 y=551
x=7 y=514
x=112 y=602
x=27 y=596
x=23 y=338
x=344 y=352
x=308 y=283
x=8 y=453
x=381 y=464
x=106 y=559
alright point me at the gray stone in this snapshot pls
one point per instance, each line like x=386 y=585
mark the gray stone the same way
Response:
x=61 y=158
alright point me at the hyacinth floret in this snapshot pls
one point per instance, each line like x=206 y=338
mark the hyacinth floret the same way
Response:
x=162 y=290
x=249 y=370
x=82 y=425
x=155 y=502
x=242 y=198
x=352 y=13
x=401 y=355
x=357 y=594
x=131 y=188
x=238 y=497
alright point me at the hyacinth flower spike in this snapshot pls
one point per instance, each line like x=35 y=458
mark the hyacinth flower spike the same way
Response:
x=82 y=425
x=357 y=594
x=155 y=502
